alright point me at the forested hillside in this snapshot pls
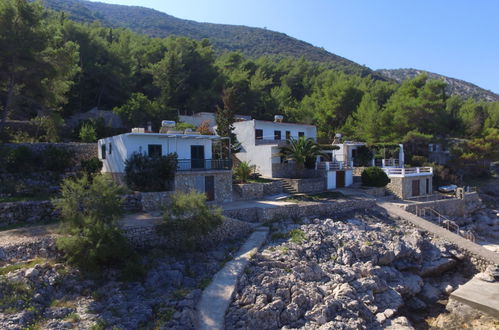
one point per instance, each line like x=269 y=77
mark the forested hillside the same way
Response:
x=248 y=40
x=52 y=68
x=454 y=86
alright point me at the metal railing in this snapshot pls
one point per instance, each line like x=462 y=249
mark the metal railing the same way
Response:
x=332 y=166
x=445 y=222
x=203 y=164
x=271 y=139
x=408 y=171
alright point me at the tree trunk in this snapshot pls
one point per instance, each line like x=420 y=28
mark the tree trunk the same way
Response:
x=8 y=102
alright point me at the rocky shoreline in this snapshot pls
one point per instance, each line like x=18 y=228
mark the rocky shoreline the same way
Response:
x=50 y=295
x=360 y=270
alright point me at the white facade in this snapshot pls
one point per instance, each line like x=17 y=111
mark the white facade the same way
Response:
x=260 y=141
x=119 y=148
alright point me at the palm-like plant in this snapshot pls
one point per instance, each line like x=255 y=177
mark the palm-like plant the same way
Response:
x=243 y=171
x=300 y=150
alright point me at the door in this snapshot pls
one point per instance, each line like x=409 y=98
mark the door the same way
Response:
x=197 y=157
x=340 y=179
x=415 y=188
x=209 y=187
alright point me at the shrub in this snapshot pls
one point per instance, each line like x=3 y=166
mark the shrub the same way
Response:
x=90 y=210
x=189 y=218
x=374 y=177
x=144 y=173
x=20 y=159
x=88 y=133
x=242 y=172
x=364 y=156
x=91 y=166
x=56 y=159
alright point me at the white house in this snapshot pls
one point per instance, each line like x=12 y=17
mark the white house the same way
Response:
x=261 y=141
x=196 y=167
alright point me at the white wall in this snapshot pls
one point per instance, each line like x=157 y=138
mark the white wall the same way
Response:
x=331 y=180
x=348 y=178
x=269 y=127
x=262 y=156
x=124 y=145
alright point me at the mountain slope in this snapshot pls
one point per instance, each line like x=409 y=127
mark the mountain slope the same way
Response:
x=455 y=86
x=250 y=41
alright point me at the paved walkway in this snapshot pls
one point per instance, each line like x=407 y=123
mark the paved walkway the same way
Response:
x=443 y=233
x=479 y=294
x=218 y=295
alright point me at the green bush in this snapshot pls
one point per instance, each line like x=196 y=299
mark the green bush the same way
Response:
x=242 y=172
x=189 y=218
x=374 y=177
x=144 y=173
x=90 y=210
x=88 y=133
x=20 y=159
x=91 y=166
x=56 y=159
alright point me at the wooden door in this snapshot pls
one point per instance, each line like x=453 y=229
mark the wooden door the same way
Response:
x=209 y=187
x=415 y=187
x=340 y=179
x=197 y=157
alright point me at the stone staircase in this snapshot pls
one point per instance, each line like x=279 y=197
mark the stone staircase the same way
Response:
x=287 y=187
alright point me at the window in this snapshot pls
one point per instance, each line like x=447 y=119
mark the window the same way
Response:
x=277 y=135
x=288 y=135
x=301 y=134
x=103 y=151
x=259 y=134
x=110 y=148
x=154 y=150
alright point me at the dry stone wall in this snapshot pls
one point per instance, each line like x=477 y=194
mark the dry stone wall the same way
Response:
x=451 y=207
x=256 y=190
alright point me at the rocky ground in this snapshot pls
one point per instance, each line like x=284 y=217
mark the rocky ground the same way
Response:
x=45 y=294
x=358 y=271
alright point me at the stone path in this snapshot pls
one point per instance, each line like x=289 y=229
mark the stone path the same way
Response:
x=218 y=295
x=480 y=295
x=443 y=233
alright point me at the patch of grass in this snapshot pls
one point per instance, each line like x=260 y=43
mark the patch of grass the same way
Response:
x=99 y=325
x=204 y=283
x=27 y=225
x=368 y=243
x=73 y=317
x=324 y=196
x=13 y=199
x=279 y=235
x=16 y=296
x=260 y=180
x=181 y=293
x=23 y=265
x=284 y=249
x=298 y=236
x=287 y=270
x=63 y=303
x=333 y=257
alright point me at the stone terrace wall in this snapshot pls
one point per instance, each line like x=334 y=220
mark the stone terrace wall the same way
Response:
x=451 y=207
x=27 y=212
x=258 y=214
x=256 y=190
x=308 y=185
x=81 y=151
x=146 y=236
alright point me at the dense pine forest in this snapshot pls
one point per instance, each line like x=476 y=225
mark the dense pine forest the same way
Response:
x=52 y=68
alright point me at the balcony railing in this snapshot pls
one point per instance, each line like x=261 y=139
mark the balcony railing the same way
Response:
x=410 y=171
x=272 y=140
x=203 y=164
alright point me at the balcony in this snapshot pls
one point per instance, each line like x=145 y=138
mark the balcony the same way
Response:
x=272 y=140
x=184 y=165
x=410 y=171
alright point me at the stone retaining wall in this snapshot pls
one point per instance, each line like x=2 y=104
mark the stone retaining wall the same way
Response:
x=27 y=212
x=81 y=151
x=146 y=236
x=256 y=190
x=451 y=207
x=260 y=214
x=307 y=185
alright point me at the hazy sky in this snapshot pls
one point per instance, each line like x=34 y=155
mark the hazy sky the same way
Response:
x=456 y=38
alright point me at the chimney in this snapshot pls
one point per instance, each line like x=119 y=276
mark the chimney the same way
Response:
x=337 y=138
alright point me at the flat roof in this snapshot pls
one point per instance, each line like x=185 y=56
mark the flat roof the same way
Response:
x=171 y=135
x=273 y=122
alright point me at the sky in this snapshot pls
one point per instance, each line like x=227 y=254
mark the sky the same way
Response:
x=456 y=38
